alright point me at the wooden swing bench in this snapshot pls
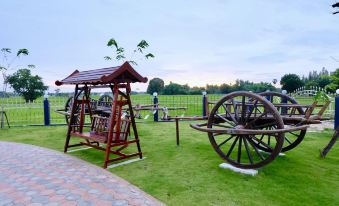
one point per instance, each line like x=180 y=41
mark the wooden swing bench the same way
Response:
x=99 y=131
x=111 y=134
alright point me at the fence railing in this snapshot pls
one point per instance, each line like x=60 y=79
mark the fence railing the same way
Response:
x=21 y=113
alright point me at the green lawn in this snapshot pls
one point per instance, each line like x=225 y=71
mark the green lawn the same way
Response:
x=189 y=174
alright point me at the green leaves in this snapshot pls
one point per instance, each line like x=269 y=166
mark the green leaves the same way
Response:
x=112 y=43
x=107 y=58
x=7 y=62
x=28 y=85
x=132 y=62
x=320 y=95
x=149 y=55
x=6 y=50
x=291 y=82
x=23 y=52
x=143 y=44
x=20 y=51
x=119 y=54
x=120 y=57
x=120 y=50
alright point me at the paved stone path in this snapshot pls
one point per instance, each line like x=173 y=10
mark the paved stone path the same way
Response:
x=320 y=127
x=31 y=175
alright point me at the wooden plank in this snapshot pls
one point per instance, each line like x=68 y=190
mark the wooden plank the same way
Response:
x=203 y=128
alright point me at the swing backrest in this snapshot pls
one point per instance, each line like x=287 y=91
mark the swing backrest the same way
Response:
x=124 y=130
x=101 y=124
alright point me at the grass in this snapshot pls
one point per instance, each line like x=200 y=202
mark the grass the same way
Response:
x=189 y=174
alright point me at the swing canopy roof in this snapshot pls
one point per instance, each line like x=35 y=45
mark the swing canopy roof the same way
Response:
x=119 y=74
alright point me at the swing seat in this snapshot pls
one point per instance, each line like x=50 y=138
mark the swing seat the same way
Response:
x=99 y=130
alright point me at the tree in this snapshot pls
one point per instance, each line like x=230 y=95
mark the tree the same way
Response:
x=196 y=90
x=155 y=85
x=318 y=79
x=24 y=83
x=212 y=89
x=174 y=88
x=291 y=82
x=119 y=52
x=334 y=85
x=225 y=88
x=8 y=60
x=323 y=81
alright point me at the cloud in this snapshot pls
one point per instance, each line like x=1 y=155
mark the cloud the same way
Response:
x=195 y=42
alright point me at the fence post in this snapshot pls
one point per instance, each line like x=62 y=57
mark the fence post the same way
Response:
x=46 y=111
x=336 y=112
x=2 y=119
x=155 y=106
x=204 y=104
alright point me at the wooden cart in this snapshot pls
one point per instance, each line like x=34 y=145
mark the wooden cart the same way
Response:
x=249 y=130
x=101 y=107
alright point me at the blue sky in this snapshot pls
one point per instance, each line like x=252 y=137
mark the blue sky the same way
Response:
x=195 y=42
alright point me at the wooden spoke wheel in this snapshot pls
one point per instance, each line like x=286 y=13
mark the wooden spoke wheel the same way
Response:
x=292 y=139
x=237 y=112
x=105 y=101
x=279 y=99
x=68 y=108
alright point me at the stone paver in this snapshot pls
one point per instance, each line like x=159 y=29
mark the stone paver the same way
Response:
x=31 y=175
x=320 y=127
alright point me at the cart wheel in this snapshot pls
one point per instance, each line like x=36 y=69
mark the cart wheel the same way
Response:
x=105 y=101
x=245 y=110
x=68 y=108
x=292 y=139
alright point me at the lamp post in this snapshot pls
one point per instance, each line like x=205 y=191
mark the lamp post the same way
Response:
x=284 y=101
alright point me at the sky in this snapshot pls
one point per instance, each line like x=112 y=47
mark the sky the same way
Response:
x=194 y=42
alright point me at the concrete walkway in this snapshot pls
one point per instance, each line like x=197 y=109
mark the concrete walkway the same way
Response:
x=31 y=175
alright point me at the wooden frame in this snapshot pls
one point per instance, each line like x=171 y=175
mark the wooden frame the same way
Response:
x=243 y=125
x=108 y=134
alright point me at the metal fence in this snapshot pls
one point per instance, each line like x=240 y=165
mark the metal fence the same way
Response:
x=22 y=113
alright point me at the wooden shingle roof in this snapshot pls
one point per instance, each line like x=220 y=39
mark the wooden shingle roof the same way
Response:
x=119 y=74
